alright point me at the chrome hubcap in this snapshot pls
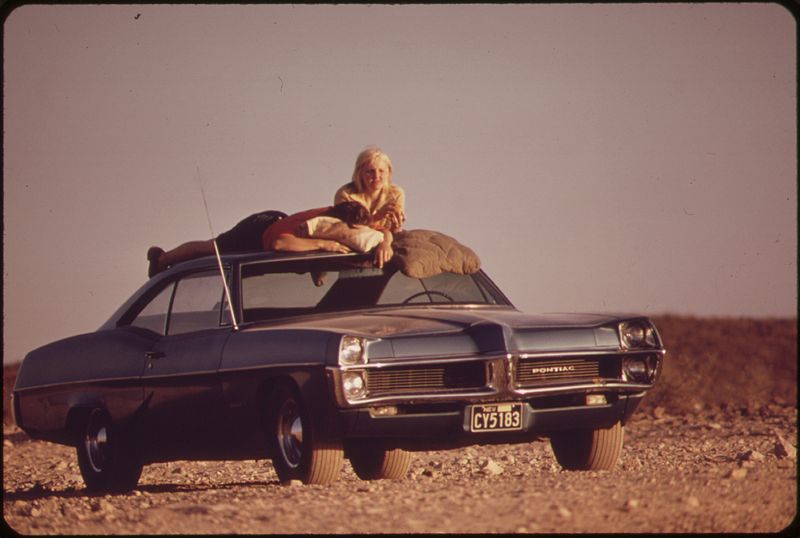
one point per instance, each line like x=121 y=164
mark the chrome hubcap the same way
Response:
x=96 y=442
x=290 y=434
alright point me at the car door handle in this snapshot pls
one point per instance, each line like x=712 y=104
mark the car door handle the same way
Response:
x=152 y=355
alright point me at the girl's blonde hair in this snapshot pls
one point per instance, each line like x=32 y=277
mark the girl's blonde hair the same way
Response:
x=368 y=156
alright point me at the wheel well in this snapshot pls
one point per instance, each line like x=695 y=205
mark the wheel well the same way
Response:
x=265 y=392
x=76 y=420
x=310 y=387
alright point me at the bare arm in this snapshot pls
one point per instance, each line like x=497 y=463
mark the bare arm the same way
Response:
x=384 y=251
x=392 y=214
x=292 y=243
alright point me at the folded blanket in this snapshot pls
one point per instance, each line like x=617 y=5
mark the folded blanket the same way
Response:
x=424 y=253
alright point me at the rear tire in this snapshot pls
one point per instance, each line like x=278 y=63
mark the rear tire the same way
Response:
x=590 y=449
x=297 y=452
x=107 y=456
x=373 y=462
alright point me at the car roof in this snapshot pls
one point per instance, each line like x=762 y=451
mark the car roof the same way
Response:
x=246 y=257
x=234 y=260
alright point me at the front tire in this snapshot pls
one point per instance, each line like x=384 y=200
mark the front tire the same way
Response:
x=373 y=462
x=107 y=456
x=590 y=449
x=298 y=453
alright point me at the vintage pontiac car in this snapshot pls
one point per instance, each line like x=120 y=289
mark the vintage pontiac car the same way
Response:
x=321 y=357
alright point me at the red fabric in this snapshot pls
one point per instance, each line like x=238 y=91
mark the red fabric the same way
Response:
x=288 y=225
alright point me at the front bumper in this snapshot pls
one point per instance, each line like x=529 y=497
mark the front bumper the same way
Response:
x=448 y=426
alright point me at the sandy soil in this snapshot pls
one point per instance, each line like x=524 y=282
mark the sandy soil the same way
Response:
x=709 y=472
x=713 y=450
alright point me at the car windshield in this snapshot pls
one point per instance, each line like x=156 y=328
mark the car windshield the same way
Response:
x=272 y=290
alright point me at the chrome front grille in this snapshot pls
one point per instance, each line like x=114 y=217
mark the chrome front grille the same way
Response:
x=533 y=371
x=426 y=379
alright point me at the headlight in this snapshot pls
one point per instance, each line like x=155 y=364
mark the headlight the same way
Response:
x=354 y=385
x=351 y=351
x=641 y=369
x=637 y=335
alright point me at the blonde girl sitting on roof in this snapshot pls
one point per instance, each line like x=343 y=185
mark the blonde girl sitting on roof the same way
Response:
x=372 y=186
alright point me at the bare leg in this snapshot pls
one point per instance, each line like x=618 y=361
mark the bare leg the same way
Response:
x=186 y=251
x=159 y=260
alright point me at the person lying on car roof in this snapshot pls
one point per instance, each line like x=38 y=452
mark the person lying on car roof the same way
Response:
x=268 y=231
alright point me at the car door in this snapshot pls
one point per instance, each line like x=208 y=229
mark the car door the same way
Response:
x=183 y=414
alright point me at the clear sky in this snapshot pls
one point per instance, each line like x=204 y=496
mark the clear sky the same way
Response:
x=632 y=157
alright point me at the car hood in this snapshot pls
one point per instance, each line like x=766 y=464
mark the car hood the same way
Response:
x=415 y=320
x=448 y=331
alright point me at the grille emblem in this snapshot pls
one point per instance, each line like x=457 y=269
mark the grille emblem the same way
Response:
x=552 y=369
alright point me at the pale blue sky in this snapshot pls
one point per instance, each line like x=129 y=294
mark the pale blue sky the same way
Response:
x=632 y=157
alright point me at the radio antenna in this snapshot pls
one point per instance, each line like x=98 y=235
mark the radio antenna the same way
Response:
x=216 y=252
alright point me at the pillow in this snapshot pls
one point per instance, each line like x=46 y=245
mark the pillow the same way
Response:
x=360 y=238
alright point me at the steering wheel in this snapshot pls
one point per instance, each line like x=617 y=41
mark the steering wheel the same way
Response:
x=430 y=294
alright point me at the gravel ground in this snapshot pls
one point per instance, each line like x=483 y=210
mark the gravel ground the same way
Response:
x=722 y=470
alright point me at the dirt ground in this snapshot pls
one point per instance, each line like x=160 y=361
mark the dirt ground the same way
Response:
x=712 y=450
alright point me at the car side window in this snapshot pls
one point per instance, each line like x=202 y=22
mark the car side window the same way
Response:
x=154 y=315
x=199 y=303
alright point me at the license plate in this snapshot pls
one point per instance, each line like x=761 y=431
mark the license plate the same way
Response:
x=495 y=417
